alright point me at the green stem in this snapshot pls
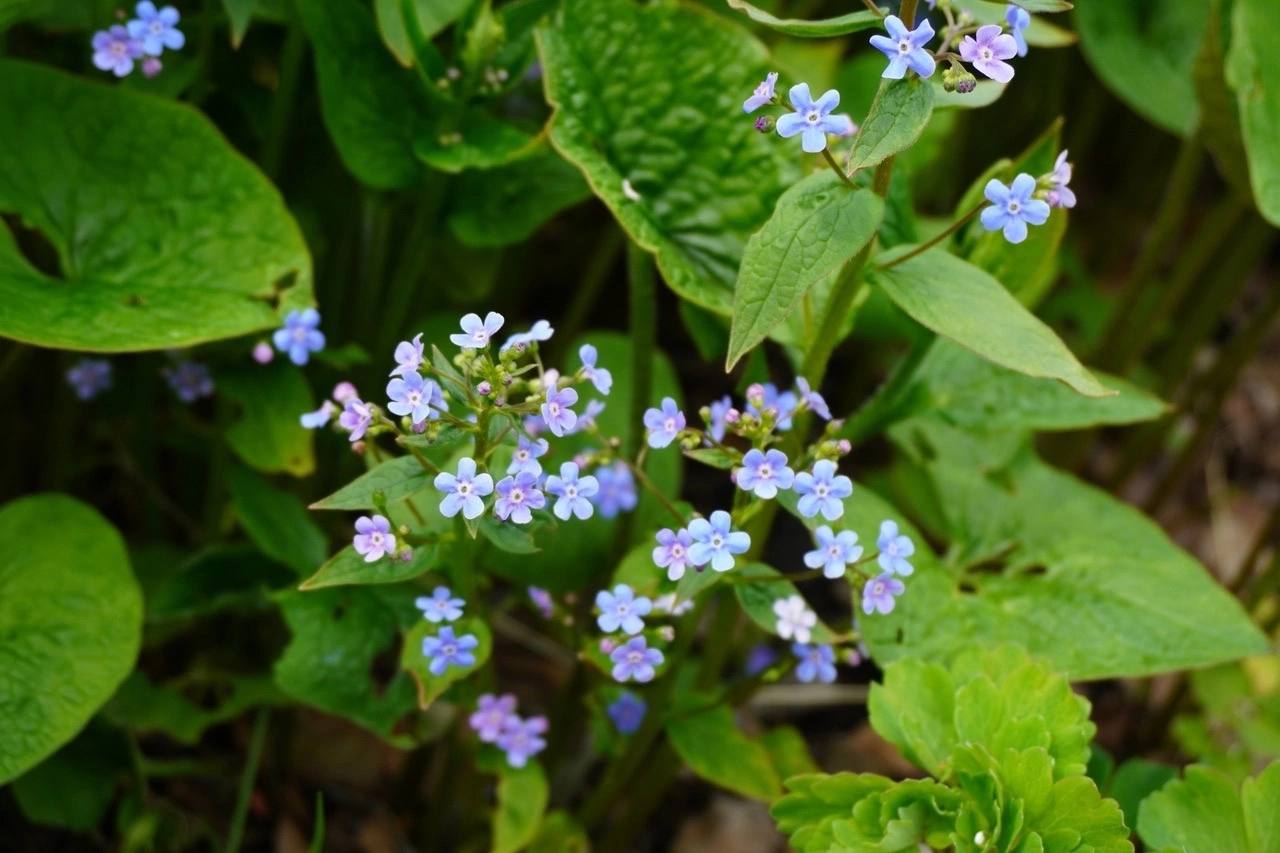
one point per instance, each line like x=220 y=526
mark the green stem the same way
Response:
x=257 y=740
x=835 y=167
x=643 y=299
x=933 y=241
x=594 y=275
x=291 y=56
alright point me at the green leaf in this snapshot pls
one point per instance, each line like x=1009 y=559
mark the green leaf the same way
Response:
x=1134 y=781
x=711 y=744
x=71 y=619
x=276 y=521
x=414 y=662
x=216 y=579
x=1261 y=800
x=201 y=249
x=813 y=803
x=757 y=599
x=961 y=302
x=840 y=25
x=788 y=751
x=1050 y=6
x=1144 y=53
x=267 y=435
x=986 y=93
x=1219 y=111
x=1200 y=812
x=1251 y=70
x=507 y=537
x=329 y=662
x=648 y=105
x=430 y=17
x=559 y=833
x=73 y=787
x=240 y=12
x=147 y=709
x=817 y=226
x=396 y=479
x=723 y=458
x=898 y=116
x=522 y=798
x=347 y=567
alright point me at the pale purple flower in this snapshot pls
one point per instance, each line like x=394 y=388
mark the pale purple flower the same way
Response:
x=491 y=715
x=476 y=332
x=373 y=539
x=664 y=424
x=813 y=399
x=627 y=712
x=988 y=51
x=1013 y=207
x=300 y=335
x=464 y=491
x=878 y=595
x=262 y=352
x=344 y=391
x=1059 y=194
x=356 y=417
x=587 y=419
x=541 y=331
x=622 y=609
x=542 y=600
x=440 y=606
x=672 y=552
x=835 y=551
x=518 y=496
x=409 y=356
x=522 y=739
x=115 y=50
x=715 y=542
x=817 y=662
x=533 y=425
x=157 y=29
x=763 y=94
x=414 y=397
x=761 y=657
x=446 y=650
x=556 y=414
x=794 y=619
x=572 y=492
x=1018 y=19
x=320 y=417
x=151 y=67
x=635 y=661
x=905 y=48
x=823 y=490
x=525 y=457
x=813 y=118
x=718 y=423
x=895 y=548
x=190 y=380
x=89 y=377
x=617 y=490
x=781 y=405
x=764 y=473
x=598 y=376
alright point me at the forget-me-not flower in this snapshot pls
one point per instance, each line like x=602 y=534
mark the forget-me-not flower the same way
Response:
x=880 y=592
x=572 y=492
x=905 y=48
x=764 y=472
x=476 y=332
x=617 y=489
x=718 y=421
x=815 y=401
x=320 y=417
x=414 y=397
x=115 y=50
x=623 y=609
x=464 y=491
x=664 y=424
x=518 y=496
x=157 y=29
x=1018 y=19
x=541 y=599
x=763 y=93
x=587 y=419
x=988 y=52
x=780 y=405
x=1059 y=194
x=835 y=551
x=635 y=661
x=525 y=457
x=446 y=650
x=598 y=376
x=556 y=414
x=813 y=119
x=761 y=657
x=373 y=539
x=715 y=542
x=795 y=619
x=89 y=377
x=522 y=739
x=1013 y=207
x=817 y=662
x=823 y=490
x=627 y=712
x=300 y=336
x=441 y=606
x=491 y=715
x=540 y=331
x=190 y=380
x=895 y=548
x=672 y=552
x=356 y=417
x=409 y=356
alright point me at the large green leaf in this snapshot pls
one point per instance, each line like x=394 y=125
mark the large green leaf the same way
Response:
x=817 y=226
x=711 y=744
x=390 y=481
x=276 y=520
x=74 y=786
x=1253 y=73
x=648 y=104
x=866 y=812
x=162 y=235
x=70 y=623
x=961 y=302
x=1204 y=813
x=757 y=599
x=522 y=798
x=1144 y=52
x=825 y=28
x=347 y=567
x=267 y=434
x=898 y=116
x=1219 y=109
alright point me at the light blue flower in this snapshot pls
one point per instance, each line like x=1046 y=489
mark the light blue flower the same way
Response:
x=672 y=552
x=617 y=490
x=780 y=405
x=622 y=609
x=1018 y=19
x=813 y=118
x=812 y=399
x=635 y=661
x=718 y=423
x=518 y=496
x=373 y=539
x=895 y=548
x=664 y=424
x=764 y=473
x=572 y=492
x=763 y=94
x=817 y=662
x=476 y=333
x=1013 y=207
x=356 y=417
x=522 y=739
x=879 y=595
x=300 y=335
x=156 y=28
x=115 y=50
x=715 y=542
x=541 y=331
x=627 y=712
x=441 y=606
x=823 y=490
x=446 y=650
x=463 y=492
x=556 y=414
x=415 y=398
x=409 y=356
x=491 y=715
x=526 y=455
x=89 y=377
x=835 y=551
x=598 y=376
x=318 y=418
x=905 y=48
x=587 y=419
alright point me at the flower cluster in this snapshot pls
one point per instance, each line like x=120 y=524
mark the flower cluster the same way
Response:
x=495 y=721
x=144 y=37
x=89 y=377
x=623 y=611
x=1027 y=200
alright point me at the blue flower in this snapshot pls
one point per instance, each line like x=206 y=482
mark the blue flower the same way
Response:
x=622 y=609
x=663 y=425
x=518 y=496
x=905 y=48
x=715 y=543
x=617 y=490
x=761 y=657
x=446 y=650
x=89 y=377
x=463 y=492
x=587 y=419
x=408 y=356
x=526 y=456
x=522 y=739
x=762 y=95
x=299 y=337
x=475 y=332
x=834 y=551
x=541 y=331
x=895 y=548
x=115 y=50
x=572 y=492
x=318 y=418
x=356 y=417
x=627 y=712
x=541 y=599
x=190 y=380
x=373 y=539
x=781 y=405
x=879 y=594
x=556 y=414
x=672 y=552
x=817 y=662
x=1018 y=19
x=157 y=29
x=491 y=715
x=813 y=399
x=414 y=397
x=823 y=491
x=718 y=422
x=1013 y=207
x=813 y=118
x=764 y=473
x=635 y=661
x=598 y=376
x=442 y=606
x=1059 y=194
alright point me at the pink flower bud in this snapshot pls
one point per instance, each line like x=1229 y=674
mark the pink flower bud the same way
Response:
x=344 y=391
x=263 y=353
x=151 y=67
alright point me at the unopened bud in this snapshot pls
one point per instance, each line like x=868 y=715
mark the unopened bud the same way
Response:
x=966 y=83
x=732 y=416
x=357 y=448
x=607 y=645
x=484 y=389
x=765 y=124
x=755 y=394
x=844 y=446
x=151 y=67
x=344 y=391
x=263 y=353
x=667 y=633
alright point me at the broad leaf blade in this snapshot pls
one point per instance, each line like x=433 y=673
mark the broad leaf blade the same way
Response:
x=898 y=116
x=1252 y=71
x=711 y=744
x=825 y=28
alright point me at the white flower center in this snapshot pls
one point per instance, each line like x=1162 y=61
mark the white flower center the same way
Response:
x=677 y=551
x=517 y=496
x=157 y=27
x=904 y=46
x=118 y=48
x=480 y=336
x=985 y=54
x=669 y=425
x=812 y=117
x=1014 y=206
x=570 y=491
x=635 y=657
x=464 y=487
x=522 y=455
x=554 y=409
x=449 y=650
x=834 y=550
x=765 y=471
x=717 y=541
x=820 y=490
x=623 y=610
x=375 y=539
x=877 y=588
x=414 y=398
